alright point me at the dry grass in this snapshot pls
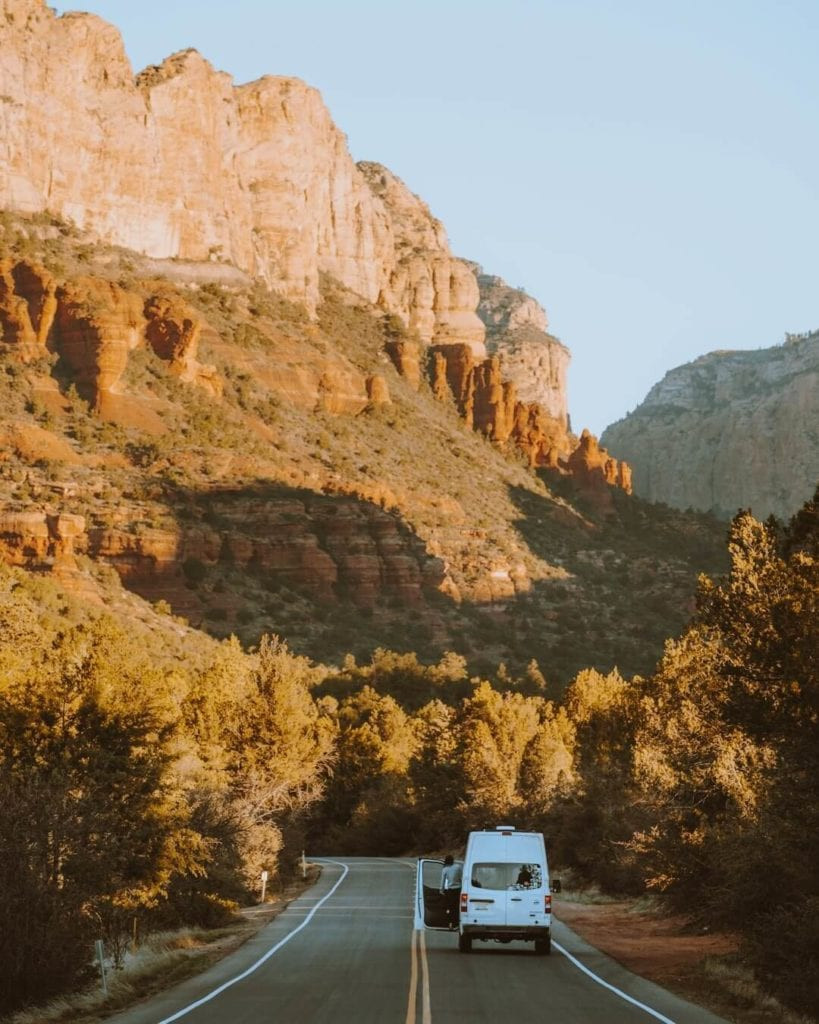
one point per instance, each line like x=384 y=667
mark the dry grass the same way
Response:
x=162 y=960
x=591 y=896
x=742 y=997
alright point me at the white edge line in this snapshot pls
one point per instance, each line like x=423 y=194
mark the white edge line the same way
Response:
x=262 y=959
x=611 y=988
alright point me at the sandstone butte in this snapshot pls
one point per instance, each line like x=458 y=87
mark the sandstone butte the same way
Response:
x=177 y=162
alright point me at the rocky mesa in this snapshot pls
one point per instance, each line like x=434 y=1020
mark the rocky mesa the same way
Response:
x=729 y=430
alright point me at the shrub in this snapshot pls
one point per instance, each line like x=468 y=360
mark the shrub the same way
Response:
x=194 y=569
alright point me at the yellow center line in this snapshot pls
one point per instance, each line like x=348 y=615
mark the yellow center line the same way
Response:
x=427 y=1011
x=413 y=989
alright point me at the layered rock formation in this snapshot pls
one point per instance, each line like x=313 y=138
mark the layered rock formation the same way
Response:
x=27 y=307
x=268 y=185
x=730 y=430
x=596 y=472
x=36 y=539
x=518 y=394
x=93 y=324
x=179 y=162
x=516 y=329
x=173 y=330
x=96 y=326
x=406 y=357
x=342 y=549
x=488 y=403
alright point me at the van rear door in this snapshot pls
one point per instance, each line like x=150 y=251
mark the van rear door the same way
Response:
x=430 y=904
x=525 y=895
x=528 y=880
x=486 y=904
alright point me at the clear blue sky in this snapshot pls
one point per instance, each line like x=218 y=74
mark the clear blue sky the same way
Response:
x=646 y=169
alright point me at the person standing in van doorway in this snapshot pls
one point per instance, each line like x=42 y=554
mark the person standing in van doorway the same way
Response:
x=451 y=878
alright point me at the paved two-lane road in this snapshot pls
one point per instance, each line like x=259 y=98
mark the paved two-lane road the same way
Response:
x=346 y=953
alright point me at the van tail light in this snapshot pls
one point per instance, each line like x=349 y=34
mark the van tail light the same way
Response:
x=464 y=899
x=547 y=903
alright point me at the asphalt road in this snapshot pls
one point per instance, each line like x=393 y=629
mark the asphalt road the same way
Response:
x=345 y=952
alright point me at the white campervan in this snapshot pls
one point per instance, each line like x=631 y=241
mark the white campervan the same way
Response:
x=505 y=892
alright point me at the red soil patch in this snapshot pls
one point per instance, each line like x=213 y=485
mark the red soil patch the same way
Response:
x=132 y=411
x=656 y=946
x=32 y=443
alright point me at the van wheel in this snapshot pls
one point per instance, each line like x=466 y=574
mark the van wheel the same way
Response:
x=543 y=947
x=465 y=943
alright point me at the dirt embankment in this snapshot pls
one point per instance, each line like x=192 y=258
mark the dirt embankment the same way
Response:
x=703 y=967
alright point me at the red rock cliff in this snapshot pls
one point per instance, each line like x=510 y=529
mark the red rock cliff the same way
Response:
x=489 y=404
x=179 y=162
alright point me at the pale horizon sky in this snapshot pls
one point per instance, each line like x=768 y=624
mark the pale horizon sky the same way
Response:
x=647 y=170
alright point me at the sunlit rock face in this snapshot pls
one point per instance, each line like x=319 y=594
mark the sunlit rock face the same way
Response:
x=138 y=162
x=517 y=330
x=311 y=209
x=27 y=307
x=488 y=402
x=93 y=325
x=730 y=430
x=179 y=162
x=434 y=293
x=97 y=325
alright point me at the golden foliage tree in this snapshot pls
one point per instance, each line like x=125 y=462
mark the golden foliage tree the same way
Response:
x=727 y=752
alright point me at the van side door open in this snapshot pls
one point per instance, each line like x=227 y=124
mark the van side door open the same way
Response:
x=430 y=903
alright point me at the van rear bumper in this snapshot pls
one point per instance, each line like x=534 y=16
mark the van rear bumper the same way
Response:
x=522 y=933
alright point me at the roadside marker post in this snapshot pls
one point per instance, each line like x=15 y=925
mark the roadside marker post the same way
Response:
x=264 y=885
x=101 y=957
x=303 y=865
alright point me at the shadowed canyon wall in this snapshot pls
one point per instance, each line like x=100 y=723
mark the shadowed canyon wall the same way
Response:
x=729 y=430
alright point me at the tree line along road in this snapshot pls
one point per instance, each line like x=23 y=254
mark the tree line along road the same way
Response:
x=346 y=952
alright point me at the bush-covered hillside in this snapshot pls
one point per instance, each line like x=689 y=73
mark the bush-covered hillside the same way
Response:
x=253 y=486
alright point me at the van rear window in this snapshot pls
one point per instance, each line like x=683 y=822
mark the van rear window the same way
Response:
x=500 y=875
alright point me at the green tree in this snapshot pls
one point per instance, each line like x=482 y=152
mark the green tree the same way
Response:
x=727 y=752
x=279 y=751
x=597 y=816
x=368 y=804
x=92 y=827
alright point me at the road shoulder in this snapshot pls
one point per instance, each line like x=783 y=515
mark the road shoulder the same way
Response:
x=701 y=967
x=660 y=1002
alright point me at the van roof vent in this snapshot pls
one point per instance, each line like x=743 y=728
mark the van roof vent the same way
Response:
x=504 y=828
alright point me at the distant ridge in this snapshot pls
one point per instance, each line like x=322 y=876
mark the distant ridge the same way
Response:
x=732 y=429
